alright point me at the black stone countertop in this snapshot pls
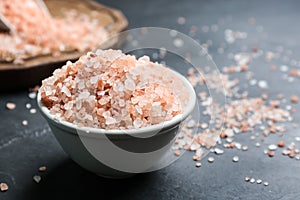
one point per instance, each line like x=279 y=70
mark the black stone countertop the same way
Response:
x=25 y=148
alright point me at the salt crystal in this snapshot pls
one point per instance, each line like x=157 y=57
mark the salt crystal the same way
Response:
x=263 y=84
x=28 y=105
x=266 y=183
x=252 y=82
x=37 y=178
x=137 y=123
x=65 y=90
x=272 y=147
x=24 y=122
x=235 y=159
x=284 y=68
x=181 y=20
x=32 y=95
x=3 y=187
x=121 y=103
x=210 y=159
x=32 y=110
x=258 y=181
x=110 y=120
x=229 y=132
x=218 y=151
x=129 y=84
x=83 y=95
x=94 y=79
x=10 y=106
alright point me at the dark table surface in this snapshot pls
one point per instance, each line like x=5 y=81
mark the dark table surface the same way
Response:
x=24 y=148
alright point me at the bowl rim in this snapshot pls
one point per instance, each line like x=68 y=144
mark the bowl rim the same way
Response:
x=163 y=125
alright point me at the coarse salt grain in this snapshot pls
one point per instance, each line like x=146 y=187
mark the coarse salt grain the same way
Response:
x=37 y=178
x=266 y=183
x=258 y=181
x=42 y=169
x=10 y=106
x=235 y=159
x=32 y=95
x=28 y=105
x=210 y=159
x=32 y=110
x=24 y=122
x=3 y=187
x=198 y=164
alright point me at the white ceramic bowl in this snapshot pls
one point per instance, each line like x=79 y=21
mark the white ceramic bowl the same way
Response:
x=76 y=140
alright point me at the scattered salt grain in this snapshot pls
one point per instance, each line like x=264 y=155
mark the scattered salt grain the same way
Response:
x=266 y=183
x=3 y=187
x=294 y=99
x=235 y=159
x=42 y=169
x=272 y=147
x=284 y=68
x=218 y=151
x=37 y=178
x=245 y=148
x=181 y=20
x=10 y=106
x=198 y=164
x=263 y=84
x=24 y=122
x=28 y=105
x=32 y=110
x=210 y=159
x=247 y=178
x=32 y=95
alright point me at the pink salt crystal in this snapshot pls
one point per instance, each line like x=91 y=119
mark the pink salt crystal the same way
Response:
x=137 y=123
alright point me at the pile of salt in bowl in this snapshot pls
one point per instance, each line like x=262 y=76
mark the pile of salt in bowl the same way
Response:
x=110 y=90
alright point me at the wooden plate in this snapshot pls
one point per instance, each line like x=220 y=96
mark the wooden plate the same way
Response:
x=36 y=69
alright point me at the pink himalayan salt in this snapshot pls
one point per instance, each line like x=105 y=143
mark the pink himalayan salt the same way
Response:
x=111 y=90
x=37 y=33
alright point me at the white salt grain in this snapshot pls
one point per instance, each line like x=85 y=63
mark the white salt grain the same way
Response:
x=272 y=147
x=263 y=84
x=24 y=122
x=28 y=105
x=37 y=178
x=210 y=159
x=32 y=95
x=32 y=110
